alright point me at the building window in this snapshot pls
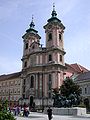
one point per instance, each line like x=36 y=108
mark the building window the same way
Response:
x=32 y=82
x=19 y=82
x=33 y=47
x=50 y=57
x=50 y=86
x=24 y=81
x=24 y=89
x=26 y=46
x=50 y=81
x=23 y=96
x=50 y=36
x=85 y=90
x=15 y=82
x=60 y=37
x=60 y=58
x=25 y=64
x=81 y=91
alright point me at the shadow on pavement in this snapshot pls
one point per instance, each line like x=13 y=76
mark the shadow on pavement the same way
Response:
x=35 y=117
x=83 y=117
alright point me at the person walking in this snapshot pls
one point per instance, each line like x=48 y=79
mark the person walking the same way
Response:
x=49 y=112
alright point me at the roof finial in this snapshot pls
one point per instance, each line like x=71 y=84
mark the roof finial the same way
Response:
x=53 y=6
x=32 y=18
x=32 y=23
x=54 y=14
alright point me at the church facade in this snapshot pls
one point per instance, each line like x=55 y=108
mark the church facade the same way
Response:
x=43 y=67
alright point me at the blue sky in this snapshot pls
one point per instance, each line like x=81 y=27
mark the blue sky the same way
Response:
x=15 y=17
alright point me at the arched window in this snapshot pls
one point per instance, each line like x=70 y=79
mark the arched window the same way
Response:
x=50 y=80
x=50 y=36
x=25 y=64
x=60 y=37
x=81 y=91
x=32 y=82
x=50 y=58
x=33 y=47
x=26 y=46
x=31 y=101
x=85 y=90
x=24 y=82
x=60 y=58
x=50 y=85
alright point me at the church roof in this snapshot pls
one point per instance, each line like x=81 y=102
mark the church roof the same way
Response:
x=54 y=19
x=32 y=27
x=31 y=30
x=54 y=15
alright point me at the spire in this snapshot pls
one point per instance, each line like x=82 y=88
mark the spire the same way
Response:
x=32 y=29
x=32 y=23
x=54 y=14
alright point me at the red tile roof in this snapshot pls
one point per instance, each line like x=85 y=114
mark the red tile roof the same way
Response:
x=79 y=68
x=76 y=68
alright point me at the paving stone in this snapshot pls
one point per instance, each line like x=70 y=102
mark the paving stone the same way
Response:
x=41 y=116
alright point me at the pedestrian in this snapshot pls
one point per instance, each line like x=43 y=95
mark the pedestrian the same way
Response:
x=49 y=112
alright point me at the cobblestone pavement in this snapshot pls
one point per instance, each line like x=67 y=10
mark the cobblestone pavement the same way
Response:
x=41 y=116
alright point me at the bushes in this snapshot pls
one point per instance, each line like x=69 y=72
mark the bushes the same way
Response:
x=4 y=113
x=6 y=116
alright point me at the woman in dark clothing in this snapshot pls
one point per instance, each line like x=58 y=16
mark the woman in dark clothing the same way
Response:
x=49 y=112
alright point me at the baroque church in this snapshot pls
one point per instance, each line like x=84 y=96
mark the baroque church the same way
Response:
x=43 y=67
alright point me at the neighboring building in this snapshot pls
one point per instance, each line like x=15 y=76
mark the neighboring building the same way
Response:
x=84 y=81
x=11 y=87
x=81 y=76
x=73 y=70
x=43 y=67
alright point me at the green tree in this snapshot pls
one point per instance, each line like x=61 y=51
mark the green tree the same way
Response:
x=67 y=95
x=69 y=87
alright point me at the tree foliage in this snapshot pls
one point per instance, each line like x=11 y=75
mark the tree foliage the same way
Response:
x=69 y=87
x=4 y=113
x=68 y=94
